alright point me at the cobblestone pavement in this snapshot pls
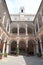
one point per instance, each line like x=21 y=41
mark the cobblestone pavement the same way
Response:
x=21 y=60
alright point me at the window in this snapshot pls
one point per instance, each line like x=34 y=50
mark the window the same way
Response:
x=29 y=30
x=14 y=30
x=22 y=30
x=22 y=10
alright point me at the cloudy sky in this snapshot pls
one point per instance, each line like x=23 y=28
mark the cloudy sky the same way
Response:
x=31 y=6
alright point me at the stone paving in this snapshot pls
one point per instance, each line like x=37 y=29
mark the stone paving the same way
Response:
x=21 y=60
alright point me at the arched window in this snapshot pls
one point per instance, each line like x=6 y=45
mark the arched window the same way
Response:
x=29 y=30
x=22 y=31
x=13 y=47
x=14 y=30
x=22 y=47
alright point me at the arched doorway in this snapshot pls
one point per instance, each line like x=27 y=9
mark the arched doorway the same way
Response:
x=13 y=47
x=31 y=47
x=22 y=47
x=1 y=46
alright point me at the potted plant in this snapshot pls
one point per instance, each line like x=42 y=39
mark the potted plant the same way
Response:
x=5 y=54
x=17 y=51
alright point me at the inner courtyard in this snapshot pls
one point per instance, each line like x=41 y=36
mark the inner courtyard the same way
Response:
x=21 y=34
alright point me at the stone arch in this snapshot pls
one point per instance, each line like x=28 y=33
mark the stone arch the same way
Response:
x=13 y=47
x=31 y=47
x=22 y=47
x=30 y=28
x=14 y=30
x=22 y=30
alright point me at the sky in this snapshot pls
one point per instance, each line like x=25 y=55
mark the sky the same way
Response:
x=30 y=6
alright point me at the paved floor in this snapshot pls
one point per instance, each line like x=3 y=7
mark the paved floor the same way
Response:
x=21 y=60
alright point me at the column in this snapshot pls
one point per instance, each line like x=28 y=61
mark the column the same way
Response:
x=3 y=48
x=7 y=48
x=26 y=47
x=37 y=50
x=7 y=24
x=34 y=50
x=26 y=30
x=38 y=25
x=3 y=18
x=17 y=47
x=9 y=27
x=18 y=29
x=40 y=45
x=35 y=28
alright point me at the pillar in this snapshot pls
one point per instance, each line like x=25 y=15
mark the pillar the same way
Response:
x=34 y=50
x=3 y=18
x=18 y=29
x=17 y=47
x=3 y=48
x=40 y=45
x=26 y=30
x=7 y=48
x=35 y=28
x=38 y=25
x=26 y=45
x=9 y=27
x=37 y=50
x=7 y=24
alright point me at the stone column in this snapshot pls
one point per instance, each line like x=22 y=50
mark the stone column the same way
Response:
x=34 y=51
x=35 y=28
x=4 y=18
x=26 y=30
x=9 y=27
x=38 y=25
x=18 y=29
x=3 y=48
x=7 y=24
x=26 y=48
x=17 y=47
x=40 y=45
x=37 y=50
x=7 y=48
